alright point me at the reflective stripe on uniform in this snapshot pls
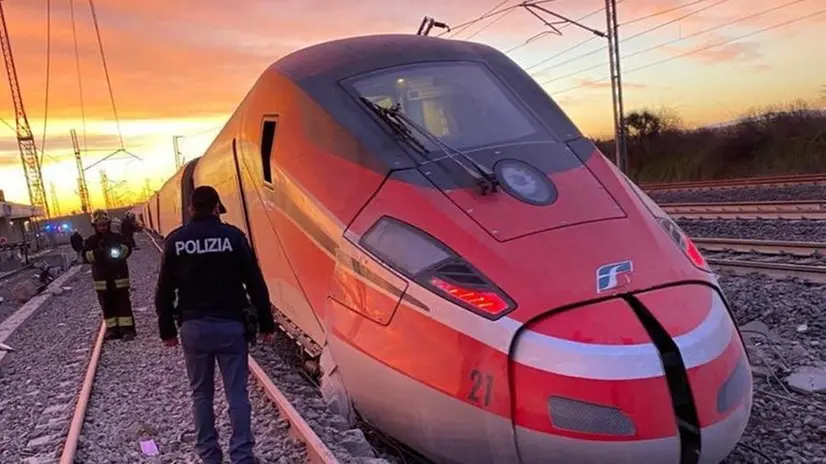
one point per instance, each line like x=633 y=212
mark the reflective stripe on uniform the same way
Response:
x=90 y=256
x=100 y=285
x=122 y=283
x=125 y=321
x=111 y=322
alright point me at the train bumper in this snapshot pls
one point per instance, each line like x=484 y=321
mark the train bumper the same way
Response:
x=604 y=394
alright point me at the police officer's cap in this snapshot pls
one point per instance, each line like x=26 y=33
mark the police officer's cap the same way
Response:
x=205 y=198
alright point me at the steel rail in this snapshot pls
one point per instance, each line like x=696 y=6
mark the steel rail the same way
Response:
x=70 y=446
x=773 y=247
x=799 y=179
x=317 y=451
x=801 y=209
x=816 y=274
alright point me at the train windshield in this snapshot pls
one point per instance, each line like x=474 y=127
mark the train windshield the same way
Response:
x=462 y=104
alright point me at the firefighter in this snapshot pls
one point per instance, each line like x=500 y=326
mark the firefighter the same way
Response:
x=77 y=243
x=128 y=228
x=107 y=251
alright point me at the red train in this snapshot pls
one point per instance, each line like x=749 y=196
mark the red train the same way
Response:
x=476 y=278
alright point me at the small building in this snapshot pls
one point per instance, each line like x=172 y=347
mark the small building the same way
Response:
x=15 y=222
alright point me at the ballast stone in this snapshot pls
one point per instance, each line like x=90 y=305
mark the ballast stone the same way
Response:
x=808 y=380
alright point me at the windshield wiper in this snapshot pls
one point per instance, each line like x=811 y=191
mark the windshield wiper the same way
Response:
x=484 y=178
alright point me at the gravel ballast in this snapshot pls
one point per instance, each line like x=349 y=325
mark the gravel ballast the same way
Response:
x=785 y=426
x=741 y=194
x=141 y=392
x=756 y=229
x=811 y=260
x=39 y=381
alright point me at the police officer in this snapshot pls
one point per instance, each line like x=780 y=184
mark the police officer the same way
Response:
x=209 y=263
x=107 y=251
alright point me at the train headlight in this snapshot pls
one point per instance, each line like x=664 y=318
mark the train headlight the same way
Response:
x=680 y=238
x=115 y=253
x=525 y=183
x=430 y=263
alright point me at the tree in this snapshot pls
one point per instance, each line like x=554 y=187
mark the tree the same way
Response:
x=643 y=128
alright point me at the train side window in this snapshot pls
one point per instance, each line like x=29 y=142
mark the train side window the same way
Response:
x=267 y=139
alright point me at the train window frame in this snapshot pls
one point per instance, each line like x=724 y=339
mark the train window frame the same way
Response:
x=543 y=133
x=266 y=152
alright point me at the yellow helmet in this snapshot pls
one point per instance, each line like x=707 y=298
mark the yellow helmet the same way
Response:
x=100 y=216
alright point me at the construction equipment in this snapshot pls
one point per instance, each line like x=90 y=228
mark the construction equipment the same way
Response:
x=25 y=139
x=82 y=189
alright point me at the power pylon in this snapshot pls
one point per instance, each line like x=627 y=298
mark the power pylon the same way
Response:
x=55 y=204
x=82 y=189
x=25 y=139
x=108 y=201
x=179 y=159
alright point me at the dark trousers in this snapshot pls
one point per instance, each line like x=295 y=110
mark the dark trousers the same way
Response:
x=205 y=341
x=117 y=312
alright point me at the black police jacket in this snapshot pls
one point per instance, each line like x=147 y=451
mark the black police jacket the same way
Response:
x=209 y=263
x=77 y=241
x=107 y=253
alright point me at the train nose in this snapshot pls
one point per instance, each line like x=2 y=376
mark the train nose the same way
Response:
x=642 y=378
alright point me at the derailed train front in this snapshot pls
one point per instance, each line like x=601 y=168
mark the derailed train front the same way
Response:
x=561 y=318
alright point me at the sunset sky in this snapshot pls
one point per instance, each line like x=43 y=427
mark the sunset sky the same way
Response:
x=180 y=67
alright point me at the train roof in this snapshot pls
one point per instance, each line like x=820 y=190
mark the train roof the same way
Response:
x=319 y=69
x=342 y=58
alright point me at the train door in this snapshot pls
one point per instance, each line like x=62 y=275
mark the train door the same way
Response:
x=263 y=219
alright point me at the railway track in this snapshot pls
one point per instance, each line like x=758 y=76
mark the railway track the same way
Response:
x=805 y=209
x=788 y=180
x=810 y=272
x=317 y=451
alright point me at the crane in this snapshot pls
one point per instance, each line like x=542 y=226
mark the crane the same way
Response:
x=25 y=139
x=82 y=189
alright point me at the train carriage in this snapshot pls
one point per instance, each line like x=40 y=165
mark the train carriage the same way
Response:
x=477 y=279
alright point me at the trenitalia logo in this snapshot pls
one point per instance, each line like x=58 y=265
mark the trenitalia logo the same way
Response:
x=608 y=274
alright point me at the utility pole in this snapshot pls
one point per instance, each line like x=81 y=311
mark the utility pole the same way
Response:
x=82 y=189
x=25 y=139
x=107 y=191
x=179 y=160
x=147 y=190
x=616 y=85
x=55 y=204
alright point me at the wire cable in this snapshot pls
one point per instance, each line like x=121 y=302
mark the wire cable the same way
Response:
x=106 y=71
x=461 y=27
x=581 y=18
x=501 y=17
x=48 y=75
x=639 y=34
x=680 y=39
x=79 y=78
x=698 y=50
x=42 y=153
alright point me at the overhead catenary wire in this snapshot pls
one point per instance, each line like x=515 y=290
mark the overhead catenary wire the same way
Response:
x=106 y=71
x=680 y=39
x=588 y=40
x=48 y=76
x=581 y=18
x=486 y=26
x=461 y=27
x=634 y=36
x=700 y=49
x=79 y=75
